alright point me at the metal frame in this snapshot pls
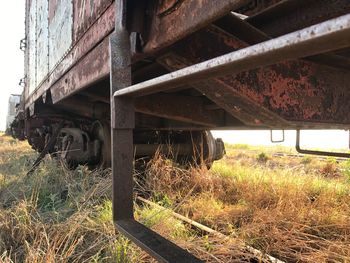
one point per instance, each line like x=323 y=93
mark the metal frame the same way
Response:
x=276 y=141
x=323 y=153
x=122 y=125
x=327 y=36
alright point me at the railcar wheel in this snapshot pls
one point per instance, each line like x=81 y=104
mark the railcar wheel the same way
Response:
x=75 y=146
x=65 y=147
x=101 y=132
x=205 y=149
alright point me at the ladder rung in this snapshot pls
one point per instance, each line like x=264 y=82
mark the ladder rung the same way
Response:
x=155 y=245
x=327 y=36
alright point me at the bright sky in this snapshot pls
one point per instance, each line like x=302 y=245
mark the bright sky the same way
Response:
x=11 y=68
x=320 y=139
x=11 y=57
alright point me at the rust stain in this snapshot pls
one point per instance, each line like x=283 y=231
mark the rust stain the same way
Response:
x=86 y=12
x=97 y=32
x=90 y=69
x=189 y=17
x=296 y=90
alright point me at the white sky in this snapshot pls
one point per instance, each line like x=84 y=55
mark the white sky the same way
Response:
x=11 y=57
x=320 y=139
x=11 y=71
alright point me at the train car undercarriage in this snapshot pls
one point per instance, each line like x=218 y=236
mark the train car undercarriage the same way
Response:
x=158 y=75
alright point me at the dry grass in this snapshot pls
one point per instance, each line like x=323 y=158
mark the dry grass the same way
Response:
x=56 y=216
x=287 y=211
x=297 y=210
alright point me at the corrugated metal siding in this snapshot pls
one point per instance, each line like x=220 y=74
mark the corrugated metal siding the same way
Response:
x=32 y=47
x=50 y=37
x=85 y=14
x=42 y=36
x=55 y=28
x=60 y=30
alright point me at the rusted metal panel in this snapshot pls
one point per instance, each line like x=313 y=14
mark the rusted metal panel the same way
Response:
x=104 y=26
x=327 y=36
x=166 y=7
x=42 y=36
x=66 y=78
x=289 y=16
x=91 y=68
x=173 y=20
x=295 y=91
x=180 y=108
x=95 y=34
x=246 y=32
x=257 y=6
x=227 y=98
x=86 y=13
x=61 y=30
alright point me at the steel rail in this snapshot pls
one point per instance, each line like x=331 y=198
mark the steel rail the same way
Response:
x=323 y=37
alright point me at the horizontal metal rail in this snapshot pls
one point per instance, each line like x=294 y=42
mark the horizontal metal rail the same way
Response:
x=327 y=36
x=260 y=255
x=122 y=150
x=315 y=152
x=154 y=244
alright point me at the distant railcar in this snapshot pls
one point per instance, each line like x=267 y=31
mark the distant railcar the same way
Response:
x=110 y=80
x=13 y=102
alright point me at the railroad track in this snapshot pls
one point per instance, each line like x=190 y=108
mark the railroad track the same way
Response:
x=295 y=155
x=280 y=154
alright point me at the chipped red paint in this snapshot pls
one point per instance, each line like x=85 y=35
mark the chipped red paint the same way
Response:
x=187 y=18
x=95 y=34
x=52 y=9
x=167 y=6
x=90 y=69
x=289 y=16
x=86 y=12
x=297 y=91
x=105 y=24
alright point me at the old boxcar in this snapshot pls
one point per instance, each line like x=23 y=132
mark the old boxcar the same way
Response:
x=13 y=102
x=116 y=79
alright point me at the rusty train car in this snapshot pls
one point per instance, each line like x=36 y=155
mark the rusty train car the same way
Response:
x=107 y=80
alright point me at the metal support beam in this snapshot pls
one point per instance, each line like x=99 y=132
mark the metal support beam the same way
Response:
x=122 y=119
x=314 y=152
x=327 y=36
x=279 y=96
x=122 y=125
x=180 y=108
x=172 y=23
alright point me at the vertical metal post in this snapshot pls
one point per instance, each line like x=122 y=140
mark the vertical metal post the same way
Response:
x=122 y=118
x=122 y=125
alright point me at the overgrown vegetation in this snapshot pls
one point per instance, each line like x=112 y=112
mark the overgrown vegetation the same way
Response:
x=296 y=209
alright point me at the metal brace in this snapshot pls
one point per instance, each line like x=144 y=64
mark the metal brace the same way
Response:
x=22 y=82
x=122 y=125
x=276 y=141
x=323 y=153
x=23 y=44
